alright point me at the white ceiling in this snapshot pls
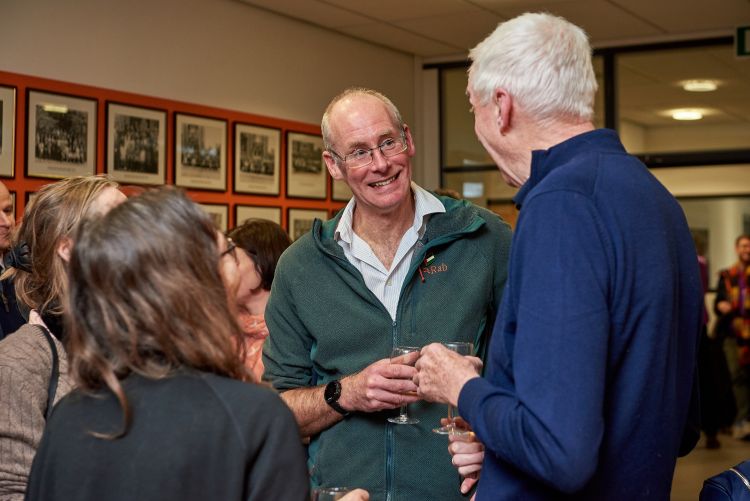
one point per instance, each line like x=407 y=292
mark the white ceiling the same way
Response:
x=440 y=28
x=444 y=30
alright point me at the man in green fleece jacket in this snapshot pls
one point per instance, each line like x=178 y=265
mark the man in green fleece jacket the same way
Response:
x=398 y=266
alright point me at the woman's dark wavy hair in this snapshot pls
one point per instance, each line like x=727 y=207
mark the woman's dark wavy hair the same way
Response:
x=146 y=296
x=265 y=241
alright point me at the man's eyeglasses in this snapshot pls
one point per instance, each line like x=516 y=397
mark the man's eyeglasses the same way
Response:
x=362 y=157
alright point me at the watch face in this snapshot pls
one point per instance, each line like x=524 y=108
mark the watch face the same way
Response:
x=332 y=391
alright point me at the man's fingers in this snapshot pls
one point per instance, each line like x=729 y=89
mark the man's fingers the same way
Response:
x=469 y=469
x=467 y=484
x=406 y=359
x=469 y=460
x=398 y=371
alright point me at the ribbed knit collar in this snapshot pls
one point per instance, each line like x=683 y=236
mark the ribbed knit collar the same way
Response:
x=545 y=161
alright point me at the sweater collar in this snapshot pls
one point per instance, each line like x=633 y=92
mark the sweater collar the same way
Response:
x=545 y=161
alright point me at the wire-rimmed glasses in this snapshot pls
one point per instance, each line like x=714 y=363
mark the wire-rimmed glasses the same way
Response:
x=362 y=157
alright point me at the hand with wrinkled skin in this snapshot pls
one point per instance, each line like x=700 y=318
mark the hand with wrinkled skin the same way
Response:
x=381 y=385
x=467 y=455
x=441 y=373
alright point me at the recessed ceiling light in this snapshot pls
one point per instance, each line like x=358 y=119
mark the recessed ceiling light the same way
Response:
x=687 y=114
x=699 y=85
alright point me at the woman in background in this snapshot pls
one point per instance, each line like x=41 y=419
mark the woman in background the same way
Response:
x=264 y=241
x=162 y=409
x=33 y=362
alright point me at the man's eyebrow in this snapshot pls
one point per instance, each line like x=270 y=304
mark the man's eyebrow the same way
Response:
x=361 y=144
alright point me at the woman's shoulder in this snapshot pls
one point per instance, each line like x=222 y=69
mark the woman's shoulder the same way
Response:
x=229 y=388
x=27 y=346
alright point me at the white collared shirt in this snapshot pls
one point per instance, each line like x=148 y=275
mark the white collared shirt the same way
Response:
x=386 y=284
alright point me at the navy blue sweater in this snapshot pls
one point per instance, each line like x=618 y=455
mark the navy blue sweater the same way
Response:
x=590 y=381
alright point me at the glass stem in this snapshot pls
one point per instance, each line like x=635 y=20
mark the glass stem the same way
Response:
x=404 y=413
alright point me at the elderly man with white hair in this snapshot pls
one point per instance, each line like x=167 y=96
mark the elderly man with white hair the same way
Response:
x=589 y=390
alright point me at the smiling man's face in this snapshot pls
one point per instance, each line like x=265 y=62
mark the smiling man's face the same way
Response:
x=363 y=122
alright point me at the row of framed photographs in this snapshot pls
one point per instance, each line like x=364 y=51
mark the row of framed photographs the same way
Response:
x=61 y=142
x=299 y=220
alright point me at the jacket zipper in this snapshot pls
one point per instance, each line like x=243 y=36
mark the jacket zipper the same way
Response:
x=390 y=440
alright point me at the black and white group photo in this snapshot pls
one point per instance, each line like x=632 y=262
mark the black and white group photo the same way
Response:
x=61 y=135
x=201 y=146
x=257 y=155
x=136 y=144
x=307 y=157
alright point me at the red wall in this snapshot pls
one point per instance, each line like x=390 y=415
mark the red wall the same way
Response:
x=21 y=185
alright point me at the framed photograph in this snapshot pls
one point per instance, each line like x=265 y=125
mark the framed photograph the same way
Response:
x=305 y=173
x=244 y=212
x=61 y=138
x=256 y=159
x=300 y=220
x=219 y=214
x=136 y=144
x=340 y=191
x=200 y=159
x=7 y=130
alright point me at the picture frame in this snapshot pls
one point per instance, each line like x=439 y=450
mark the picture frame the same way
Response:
x=200 y=159
x=244 y=212
x=299 y=221
x=13 y=205
x=28 y=197
x=61 y=135
x=257 y=159
x=340 y=191
x=219 y=214
x=305 y=170
x=7 y=131
x=136 y=144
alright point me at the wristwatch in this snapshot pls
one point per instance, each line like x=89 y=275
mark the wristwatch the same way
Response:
x=332 y=394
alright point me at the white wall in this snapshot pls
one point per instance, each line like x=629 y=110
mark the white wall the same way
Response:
x=220 y=53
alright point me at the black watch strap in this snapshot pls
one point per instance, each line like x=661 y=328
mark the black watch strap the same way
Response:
x=332 y=393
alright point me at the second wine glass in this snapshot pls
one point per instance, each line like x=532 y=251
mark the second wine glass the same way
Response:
x=400 y=355
x=465 y=349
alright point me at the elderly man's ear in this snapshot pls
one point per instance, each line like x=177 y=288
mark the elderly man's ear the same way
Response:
x=503 y=109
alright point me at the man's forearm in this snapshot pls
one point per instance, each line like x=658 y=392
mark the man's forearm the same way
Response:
x=310 y=409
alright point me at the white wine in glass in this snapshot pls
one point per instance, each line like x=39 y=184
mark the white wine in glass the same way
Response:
x=399 y=355
x=465 y=349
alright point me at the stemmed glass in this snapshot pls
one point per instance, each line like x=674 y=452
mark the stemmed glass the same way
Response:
x=464 y=349
x=399 y=355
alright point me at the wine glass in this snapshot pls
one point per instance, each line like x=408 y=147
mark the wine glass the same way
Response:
x=399 y=356
x=329 y=493
x=465 y=349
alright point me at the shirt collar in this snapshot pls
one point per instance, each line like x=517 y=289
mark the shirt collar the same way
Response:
x=425 y=203
x=544 y=161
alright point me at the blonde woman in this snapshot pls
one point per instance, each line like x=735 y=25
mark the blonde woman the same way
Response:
x=33 y=362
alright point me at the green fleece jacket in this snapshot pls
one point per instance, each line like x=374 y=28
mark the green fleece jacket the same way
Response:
x=325 y=324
